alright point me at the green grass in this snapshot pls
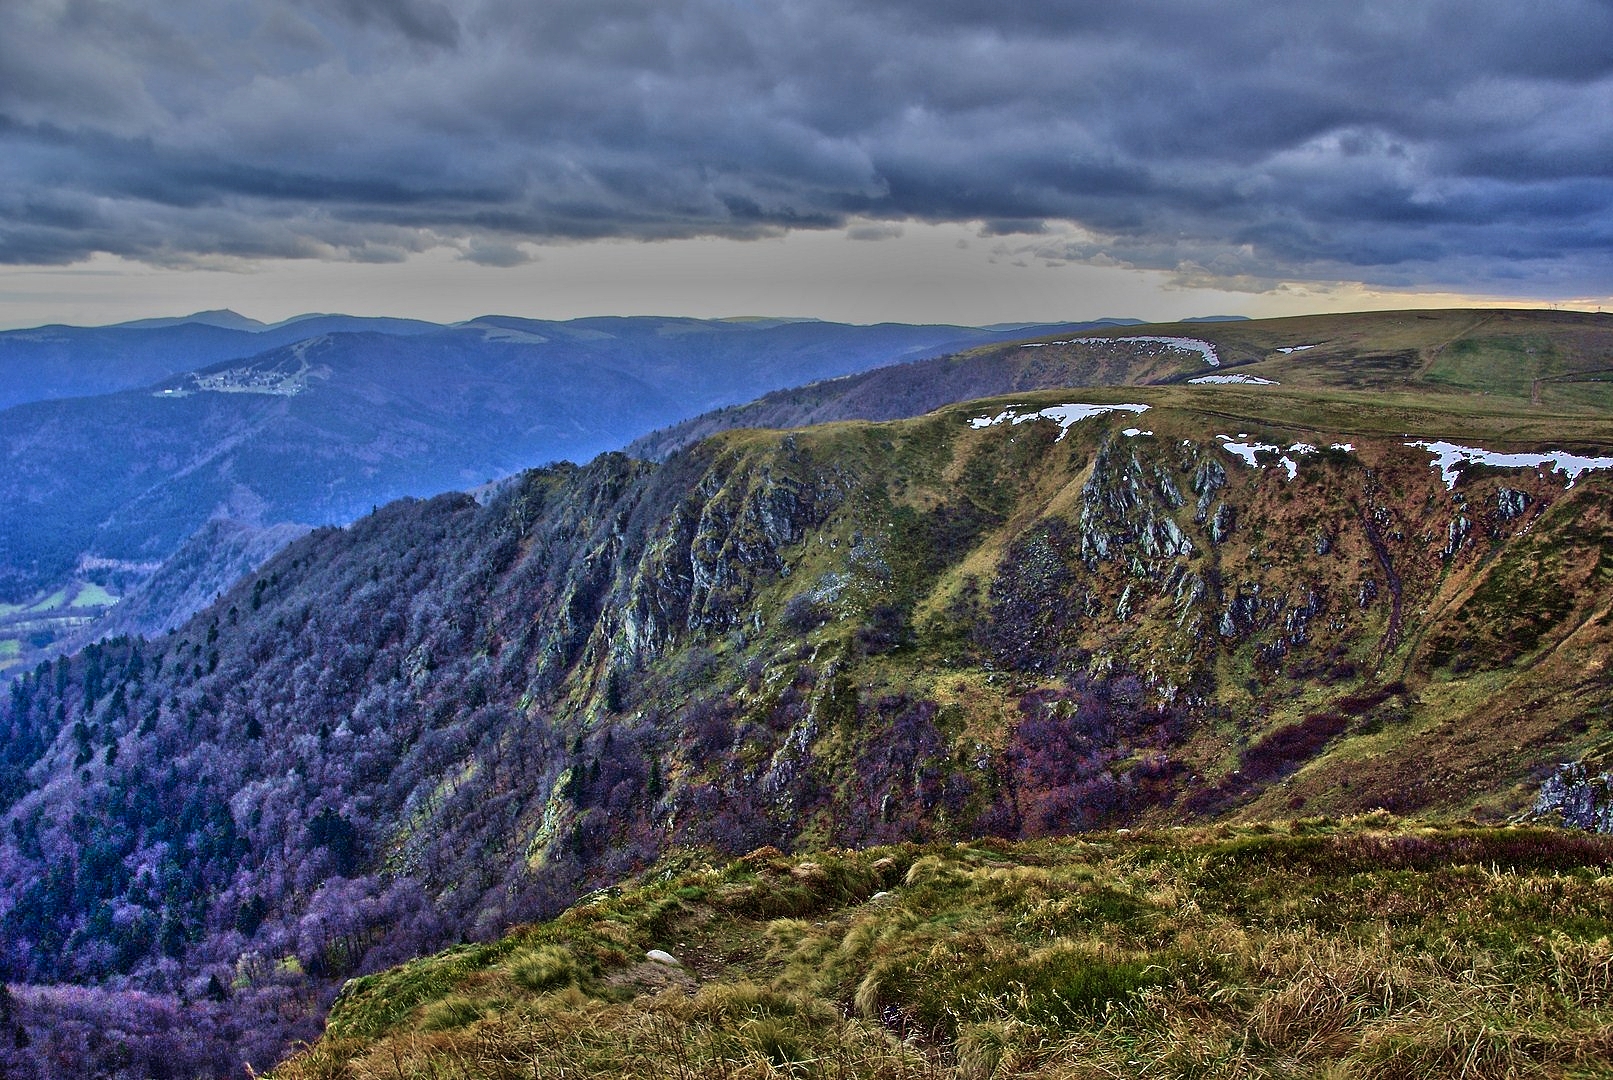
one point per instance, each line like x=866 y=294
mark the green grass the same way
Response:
x=93 y=595
x=1370 y=947
x=49 y=603
x=1587 y=393
x=1414 y=412
x=1505 y=366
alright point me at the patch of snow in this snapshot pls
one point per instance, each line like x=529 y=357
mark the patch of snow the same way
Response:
x=506 y=333
x=1005 y=416
x=1243 y=450
x=1295 y=349
x=1133 y=432
x=1248 y=450
x=1063 y=415
x=1447 y=456
x=1203 y=348
x=1194 y=345
x=1347 y=447
x=1249 y=380
x=1299 y=449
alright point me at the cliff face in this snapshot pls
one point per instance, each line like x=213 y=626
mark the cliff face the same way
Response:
x=450 y=717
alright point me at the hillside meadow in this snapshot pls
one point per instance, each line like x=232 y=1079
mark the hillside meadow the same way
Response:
x=1369 y=947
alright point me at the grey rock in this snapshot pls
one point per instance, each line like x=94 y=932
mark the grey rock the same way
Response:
x=1579 y=795
x=1456 y=534
x=1510 y=504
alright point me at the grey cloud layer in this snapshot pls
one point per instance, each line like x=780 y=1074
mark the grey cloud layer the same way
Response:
x=1466 y=144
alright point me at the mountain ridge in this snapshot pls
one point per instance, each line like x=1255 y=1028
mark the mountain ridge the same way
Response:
x=1385 y=352
x=1042 y=612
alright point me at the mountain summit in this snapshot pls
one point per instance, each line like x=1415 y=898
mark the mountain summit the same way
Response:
x=223 y=318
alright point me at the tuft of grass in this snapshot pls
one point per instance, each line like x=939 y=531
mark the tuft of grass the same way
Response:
x=544 y=967
x=454 y=1011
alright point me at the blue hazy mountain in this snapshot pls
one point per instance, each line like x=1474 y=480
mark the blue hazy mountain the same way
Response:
x=123 y=440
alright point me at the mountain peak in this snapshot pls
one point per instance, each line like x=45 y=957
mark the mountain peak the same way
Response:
x=223 y=318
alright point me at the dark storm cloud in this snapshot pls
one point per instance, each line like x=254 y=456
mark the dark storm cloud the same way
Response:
x=1466 y=144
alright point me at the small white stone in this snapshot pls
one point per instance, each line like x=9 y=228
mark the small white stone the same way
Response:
x=662 y=957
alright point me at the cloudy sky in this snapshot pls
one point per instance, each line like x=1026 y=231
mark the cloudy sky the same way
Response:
x=910 y=159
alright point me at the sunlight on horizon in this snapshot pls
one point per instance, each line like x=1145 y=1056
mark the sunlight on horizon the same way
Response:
x=917 y=273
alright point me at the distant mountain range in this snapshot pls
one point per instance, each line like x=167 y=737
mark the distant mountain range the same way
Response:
x=79 y=361
x=122 y=441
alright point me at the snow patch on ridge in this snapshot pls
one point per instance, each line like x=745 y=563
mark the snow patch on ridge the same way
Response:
x=1250 y=380
x=1193 y=345
x=1248 y=450
x=1447 y=456
x=1062 y=415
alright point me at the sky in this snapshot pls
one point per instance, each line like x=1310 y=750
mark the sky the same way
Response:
x=910 y=160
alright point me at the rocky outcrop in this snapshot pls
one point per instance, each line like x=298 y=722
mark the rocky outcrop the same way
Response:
x=1208 y=477
x=701 y=564
x=1128 y=504
x=1580 y=794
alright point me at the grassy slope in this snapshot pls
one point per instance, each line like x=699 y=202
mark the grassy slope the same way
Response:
x=1368 y=948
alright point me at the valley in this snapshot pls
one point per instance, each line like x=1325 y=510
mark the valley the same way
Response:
x=43 y=619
